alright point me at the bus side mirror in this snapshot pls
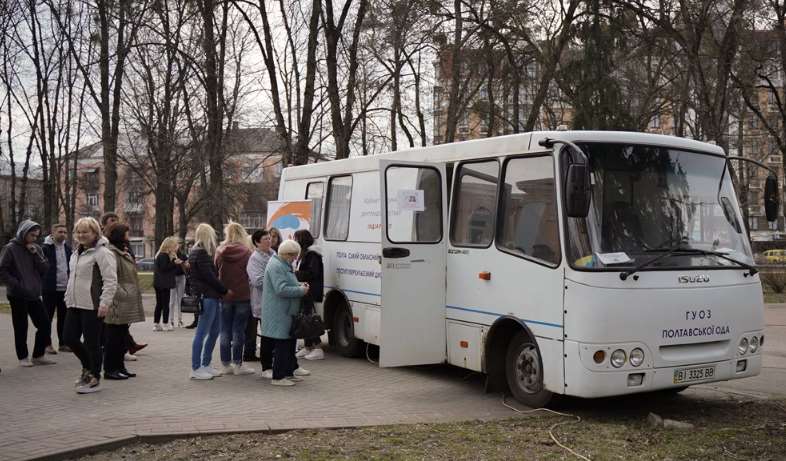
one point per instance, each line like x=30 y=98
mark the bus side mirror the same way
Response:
x=771 y=198
x=577 y=190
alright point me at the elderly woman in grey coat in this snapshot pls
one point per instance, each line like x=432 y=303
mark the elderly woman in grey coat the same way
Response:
x=281 y=294
x=126 y=307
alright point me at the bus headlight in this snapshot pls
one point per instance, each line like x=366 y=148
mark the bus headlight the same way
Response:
x=742 y=348
x=636 y=357
x=754 y=344
x=618 y=358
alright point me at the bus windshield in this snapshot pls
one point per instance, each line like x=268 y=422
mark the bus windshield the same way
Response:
x=648 y=200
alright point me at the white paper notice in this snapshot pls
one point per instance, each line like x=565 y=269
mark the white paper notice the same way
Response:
x=411 y=200
x=613 y=258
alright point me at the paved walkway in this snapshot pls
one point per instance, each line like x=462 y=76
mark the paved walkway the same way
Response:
x=42 y=416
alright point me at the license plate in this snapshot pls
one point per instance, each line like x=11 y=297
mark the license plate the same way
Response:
x=687 y=375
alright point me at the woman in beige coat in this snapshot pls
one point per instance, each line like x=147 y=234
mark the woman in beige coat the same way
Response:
x=126 y=307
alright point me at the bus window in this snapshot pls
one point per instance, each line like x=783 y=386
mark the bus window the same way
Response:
x=528 y=213
x=337 y=212
x=475 y=204
x=418 y=222
x=315 y=191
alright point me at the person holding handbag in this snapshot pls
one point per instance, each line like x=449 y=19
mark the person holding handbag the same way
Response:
x=126 y=308
x=281 y=294
x=92 y=283
x=311 y=271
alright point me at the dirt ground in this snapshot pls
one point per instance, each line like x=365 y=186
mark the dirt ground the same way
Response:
x=727 y=427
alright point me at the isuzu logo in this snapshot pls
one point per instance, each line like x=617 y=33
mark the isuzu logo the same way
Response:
x=694 y=278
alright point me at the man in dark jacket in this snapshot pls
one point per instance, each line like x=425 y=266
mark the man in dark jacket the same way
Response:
x=22 y=265
x=58 y=254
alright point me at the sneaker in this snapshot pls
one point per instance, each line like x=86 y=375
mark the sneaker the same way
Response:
x=240 y=369
x=83 y=378
x=42 y=361
x=227 y=369
x=302 y=353
x=169 y=327
x=51 y=350
x=213 y=372
x=25 y=363
x=64 y=349
x=301 y=372
x=295 y=379
x=267 y=374
x=282 y=382
x=91 y=384
x=157 y=327
x=200 y=374
x=130 y=357
x=315 y=354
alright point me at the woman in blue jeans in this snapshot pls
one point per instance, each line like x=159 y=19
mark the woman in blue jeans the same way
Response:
x=205 y=283
x=231 y=261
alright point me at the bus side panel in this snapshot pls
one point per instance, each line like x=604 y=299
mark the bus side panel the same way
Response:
x=551 y=352
x=293 y=190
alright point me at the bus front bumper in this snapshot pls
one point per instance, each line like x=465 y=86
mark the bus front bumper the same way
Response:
x=583 y=382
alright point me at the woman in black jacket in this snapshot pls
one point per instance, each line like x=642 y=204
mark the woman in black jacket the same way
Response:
x=311 y=271
x=164 y=274
x=204 y=282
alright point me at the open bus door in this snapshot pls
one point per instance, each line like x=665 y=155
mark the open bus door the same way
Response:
x=414 y=225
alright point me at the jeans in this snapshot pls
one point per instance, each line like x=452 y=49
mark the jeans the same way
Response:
x=206 y=333
x=54 y=302
x=162 y=304
x=175 y=296
x=20 y=309
x=83 y=322
x=284 y=363
x=234 y=316
x=115 y=349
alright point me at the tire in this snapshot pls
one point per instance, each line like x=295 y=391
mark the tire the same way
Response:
x=524 y=372
x=343 y=334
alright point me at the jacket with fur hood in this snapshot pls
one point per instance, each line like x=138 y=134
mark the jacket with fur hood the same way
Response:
x=20 y=269
x=93 y=278
x=231 y=262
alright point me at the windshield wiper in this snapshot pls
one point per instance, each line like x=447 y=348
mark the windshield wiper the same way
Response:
x=685 y=250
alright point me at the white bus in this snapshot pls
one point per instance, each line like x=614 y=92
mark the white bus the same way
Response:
x=582 y=263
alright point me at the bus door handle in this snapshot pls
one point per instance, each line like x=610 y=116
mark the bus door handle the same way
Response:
x=395 y=252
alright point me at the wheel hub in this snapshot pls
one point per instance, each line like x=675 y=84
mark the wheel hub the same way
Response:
x=528 y=374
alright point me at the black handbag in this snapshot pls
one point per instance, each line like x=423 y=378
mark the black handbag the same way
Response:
x=307 y=326
x=191 y=304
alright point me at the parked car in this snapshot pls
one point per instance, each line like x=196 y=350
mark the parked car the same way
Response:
x=775 y=256
x=145 y=264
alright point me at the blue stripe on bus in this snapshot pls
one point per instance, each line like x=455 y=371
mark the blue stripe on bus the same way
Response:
x=354 y=291
x=478 y=311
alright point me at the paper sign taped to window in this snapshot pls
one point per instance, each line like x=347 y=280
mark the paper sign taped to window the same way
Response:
x=411 y=200
x=614 y=258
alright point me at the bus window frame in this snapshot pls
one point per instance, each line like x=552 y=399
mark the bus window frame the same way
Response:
x=455 y=201
x=322 y=205
x=441 y=202
x=351 y=176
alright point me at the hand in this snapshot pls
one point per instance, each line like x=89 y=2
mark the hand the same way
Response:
x=31 y=247
x=306 y=287
x=186 y=265
x=102 y=311
x=178 y=261
x=229 y=294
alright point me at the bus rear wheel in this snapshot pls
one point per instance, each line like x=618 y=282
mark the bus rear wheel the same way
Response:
x=343 y=334
x=524 y=371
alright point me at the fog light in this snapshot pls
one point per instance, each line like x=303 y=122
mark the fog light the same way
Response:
x=636 y=357
x=742 y=365
x=599 y=356
x=754 y=345
x=635 y=379
x=742 y=348
x=618 y=358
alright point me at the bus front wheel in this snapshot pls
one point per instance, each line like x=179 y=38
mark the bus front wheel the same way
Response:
x=524 y=371
x=343 y=332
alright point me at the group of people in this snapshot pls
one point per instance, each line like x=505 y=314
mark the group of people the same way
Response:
x=93 y=289
x=95 y=293
x=245 y=280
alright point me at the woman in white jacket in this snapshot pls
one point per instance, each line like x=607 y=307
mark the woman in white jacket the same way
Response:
x=91 y=288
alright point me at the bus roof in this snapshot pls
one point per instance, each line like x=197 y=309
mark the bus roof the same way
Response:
x=490 y=147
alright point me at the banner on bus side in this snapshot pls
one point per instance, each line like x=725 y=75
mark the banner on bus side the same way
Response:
x=289 y=216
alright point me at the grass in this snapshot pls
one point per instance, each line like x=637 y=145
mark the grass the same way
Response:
x=146 y=282
x=610 y=429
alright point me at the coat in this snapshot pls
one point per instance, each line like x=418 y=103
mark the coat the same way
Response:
x=281 y=293
x=312 y=272
x=231 y=263
x=164 y=272
x=202 y=278
x=127 y=306
x=20 y=270
x=50 y=278
x=256 y=277
x=92 y=281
